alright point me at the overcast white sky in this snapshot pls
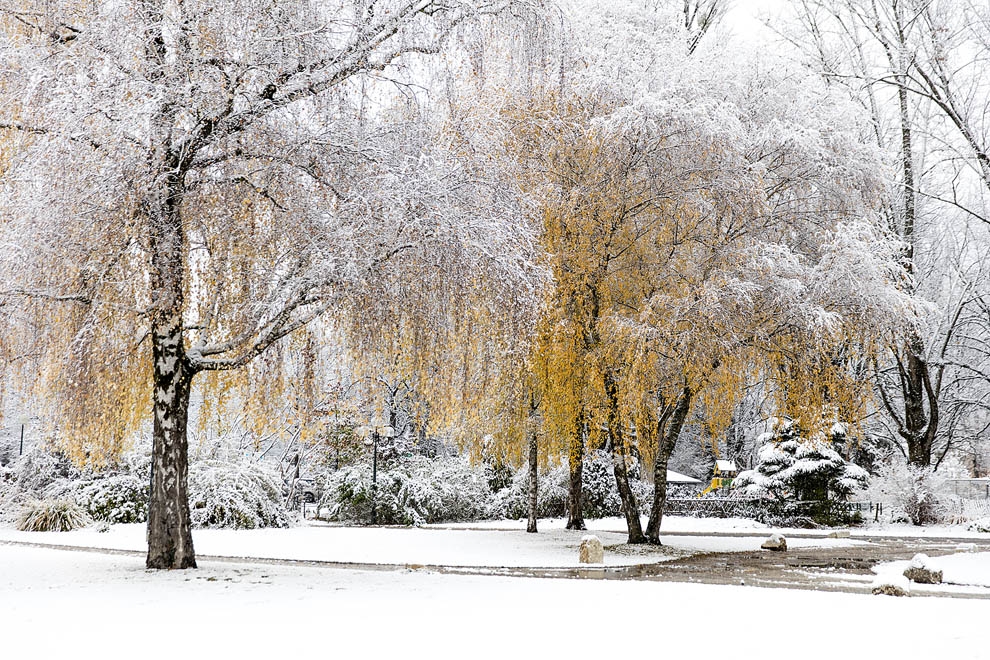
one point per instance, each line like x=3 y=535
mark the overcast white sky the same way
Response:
x=745 y=16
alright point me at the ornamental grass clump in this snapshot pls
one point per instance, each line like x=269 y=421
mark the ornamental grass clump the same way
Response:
x=52 y=516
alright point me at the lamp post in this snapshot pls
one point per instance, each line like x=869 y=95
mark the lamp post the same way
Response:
x=23 y=419
x=374 y=433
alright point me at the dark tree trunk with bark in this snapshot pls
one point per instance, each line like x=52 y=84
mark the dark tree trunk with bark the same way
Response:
x=534 y=458
x=920 y=421
x=170 y=542
x=666 y=441
x=575 y=465
x=620 y=458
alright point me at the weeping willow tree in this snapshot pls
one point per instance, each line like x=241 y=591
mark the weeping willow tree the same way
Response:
x=188 y=184
x=699 y=235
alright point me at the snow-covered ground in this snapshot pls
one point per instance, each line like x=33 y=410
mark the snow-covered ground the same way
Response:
x=963 y=569
x=75 y=605
x=671 y=525
x=509 y=547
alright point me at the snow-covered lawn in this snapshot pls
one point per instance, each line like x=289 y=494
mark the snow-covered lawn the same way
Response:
x=74 y=605
x=513 y=547
x=686 y=524
x=966 y=568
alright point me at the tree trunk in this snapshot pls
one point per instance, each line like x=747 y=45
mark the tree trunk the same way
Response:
x=170 y=542
x=575 y=465
x=620 y=457
x=534 y=458
x=919 y=426
x=665 y=447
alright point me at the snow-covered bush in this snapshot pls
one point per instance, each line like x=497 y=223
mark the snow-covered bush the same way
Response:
x=981 y=525
x=418 y=490
x=52 y=516
x=39 y=468
x=237 y=495
x=12 y=496
x=119 y=498
x=410 y=491
x=513 y=502
x=599 y=494
x=790 y=466
x=915 y=494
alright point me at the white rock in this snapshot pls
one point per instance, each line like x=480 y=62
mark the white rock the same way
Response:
x=776 y=542
x=892 y=585
x=591 y=551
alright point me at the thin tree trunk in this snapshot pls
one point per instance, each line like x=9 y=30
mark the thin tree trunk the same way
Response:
x=920 y=425
x=534 y=458
x=620 y=457
x=667 y=442
x=575 y=465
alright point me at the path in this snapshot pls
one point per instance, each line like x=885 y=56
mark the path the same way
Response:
x=843 y=569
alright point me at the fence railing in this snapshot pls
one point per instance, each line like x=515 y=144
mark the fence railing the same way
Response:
x=760 y=509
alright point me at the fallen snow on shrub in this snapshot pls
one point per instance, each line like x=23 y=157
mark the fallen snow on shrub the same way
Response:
x=120 y=498
x=235 y=495
x=52 y=516
x=413 y=491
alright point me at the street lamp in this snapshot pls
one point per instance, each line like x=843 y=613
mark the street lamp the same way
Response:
x=371 y=440
x=23 y=421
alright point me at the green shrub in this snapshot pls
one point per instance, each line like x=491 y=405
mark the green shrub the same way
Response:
x=52 y=516
x=236 y=495
x=120 y=498
x=412 y=491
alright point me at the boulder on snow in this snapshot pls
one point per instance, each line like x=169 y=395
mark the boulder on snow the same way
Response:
x=921 y=571
x=591 y=551
x=776 y=542
x=891 y=585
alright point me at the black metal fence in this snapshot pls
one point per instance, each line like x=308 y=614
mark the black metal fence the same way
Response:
x=803 y=514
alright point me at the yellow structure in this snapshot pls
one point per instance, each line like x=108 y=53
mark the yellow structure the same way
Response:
x=722 y=476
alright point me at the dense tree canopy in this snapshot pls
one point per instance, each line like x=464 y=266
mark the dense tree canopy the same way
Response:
x=524 y=228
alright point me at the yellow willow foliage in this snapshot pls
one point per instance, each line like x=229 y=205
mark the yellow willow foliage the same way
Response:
x=657 y=286
x=86 y=358
x=823 y=386
x=613 y=247
x=460 y=367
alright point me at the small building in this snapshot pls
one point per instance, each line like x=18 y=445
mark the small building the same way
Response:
x=725 y=469
x=678 y=479
x=722 y=475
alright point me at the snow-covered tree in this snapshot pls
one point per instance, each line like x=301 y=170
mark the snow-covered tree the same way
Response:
x=918 y=70
x=792 y=466
x=186 y=183
x=705 y=221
